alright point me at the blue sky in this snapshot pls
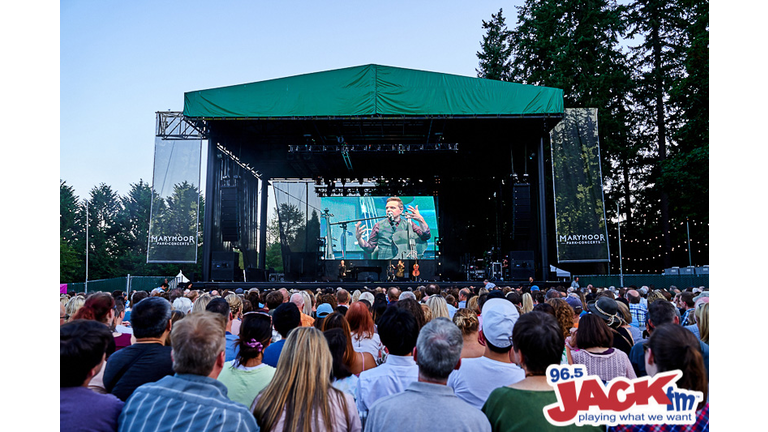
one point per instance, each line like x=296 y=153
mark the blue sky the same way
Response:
x=123 y=61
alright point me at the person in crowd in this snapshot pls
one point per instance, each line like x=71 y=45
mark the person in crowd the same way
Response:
x=298 y=300
x=273 y=300
x=700 y=318
x=416 y=309
x=323 y=310
x=564 y=316
x=356 y=362
x=626 y=317
x=119 y=325
x=343 y=379
x=364 y=336
x=406 y=295
x=236 y=308
x=221 y=306
x=284 y=319
x=466 y=320
x=148 y=359
x=437 y=354
x=379 y=306
x=608 y=309
x=62 y=314
x=478 y=377
x=201 y=303
x=247 y=375
x=527 y=303
x=595 y=350
x=537 y=342
x=686 y=306
x=182 y=304
x=671 y=347
x=577 y=306
x=83 y=346
x=192 y=399
x=438 y=307
x=398 y=331
x=463 y=297
x=393 y=294
x=136 y=297
x=101 y=307
x=342 y=299
x=660 y=313
x=73 y=305
x=450 y=303
x=637 y=309
x=300 y=397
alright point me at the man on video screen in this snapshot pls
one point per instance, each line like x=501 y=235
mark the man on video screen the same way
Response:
x=399 y=236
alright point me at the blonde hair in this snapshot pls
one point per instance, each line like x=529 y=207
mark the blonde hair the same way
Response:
x=466 y=320
x=702 y=320
x=301 y=387
x=438 y=306
x=201 y=302
x=427 y=313
x=235 y=304
x=527 y=303
x=472 y=304
x=73 y=305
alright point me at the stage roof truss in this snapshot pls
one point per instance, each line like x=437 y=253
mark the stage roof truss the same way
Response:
x=174 y=125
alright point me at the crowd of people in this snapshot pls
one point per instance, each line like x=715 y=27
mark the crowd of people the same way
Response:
x=379 y=359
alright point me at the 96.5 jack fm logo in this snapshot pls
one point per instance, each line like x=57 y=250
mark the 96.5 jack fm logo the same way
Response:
x=585 y=400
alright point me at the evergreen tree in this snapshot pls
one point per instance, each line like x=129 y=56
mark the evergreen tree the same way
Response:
x=495 y=50
x=70 y=260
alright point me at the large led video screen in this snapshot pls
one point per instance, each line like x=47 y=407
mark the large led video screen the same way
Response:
x=382 y=228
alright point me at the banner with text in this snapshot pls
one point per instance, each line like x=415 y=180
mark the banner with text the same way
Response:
x=580 y=226
x=173 y=224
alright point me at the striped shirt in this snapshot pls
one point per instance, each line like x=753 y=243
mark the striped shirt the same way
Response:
x=184 y=402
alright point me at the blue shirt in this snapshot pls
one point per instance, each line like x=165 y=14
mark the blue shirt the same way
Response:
x=231 y=348
x=272 y=353
x=639 y=314
x=184 y=402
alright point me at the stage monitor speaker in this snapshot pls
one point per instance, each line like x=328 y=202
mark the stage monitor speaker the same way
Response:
x=223 y=266
x=229 y=214
x=521 y=210
x=522 y=265
x=255 y=275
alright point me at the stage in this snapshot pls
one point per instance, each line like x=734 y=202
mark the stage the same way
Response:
x=352 y=286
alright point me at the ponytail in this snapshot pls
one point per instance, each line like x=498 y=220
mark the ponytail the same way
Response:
x=675 y=347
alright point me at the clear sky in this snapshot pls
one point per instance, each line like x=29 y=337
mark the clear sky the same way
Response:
x=123 y=61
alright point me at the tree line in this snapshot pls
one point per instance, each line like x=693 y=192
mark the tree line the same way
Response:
x=644 y=64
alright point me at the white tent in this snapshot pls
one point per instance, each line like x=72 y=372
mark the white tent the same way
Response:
x=560 y=272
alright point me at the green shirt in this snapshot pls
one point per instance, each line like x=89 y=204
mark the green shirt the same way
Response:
x=244 y=385
x=510 y=409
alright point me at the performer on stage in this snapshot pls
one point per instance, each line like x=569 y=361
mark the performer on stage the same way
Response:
x=396 y=236
x=400 y=269
x=342 y=270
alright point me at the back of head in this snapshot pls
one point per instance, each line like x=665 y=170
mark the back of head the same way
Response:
x=674 y=347
x=183 y=304
x=138 y=296
x=235 y=303
x=538 y=338
x=398 y=331
x=82 y=345
x=197 y=340
x=432 y=289
x=337 y=343
x=393 y=293
x=661 y=312
x=220 y=306
x=466 y=320
x=255 y=335
x=342 y=296
x=412 y=306
x=96 y=307
x=150 y=317
x=593 y=332
x=406 y=295
x=687 y=298
x=286 y=318
x=438 y=349
x=201 y=302
x=360 y=320
x=274 y=299
x=438 y=306
x=301 y=384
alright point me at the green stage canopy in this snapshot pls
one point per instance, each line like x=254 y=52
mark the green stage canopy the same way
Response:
x=374 y=90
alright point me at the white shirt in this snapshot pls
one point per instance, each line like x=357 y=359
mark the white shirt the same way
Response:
x=392 y=377
x=477 y=377
x=371 y=345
